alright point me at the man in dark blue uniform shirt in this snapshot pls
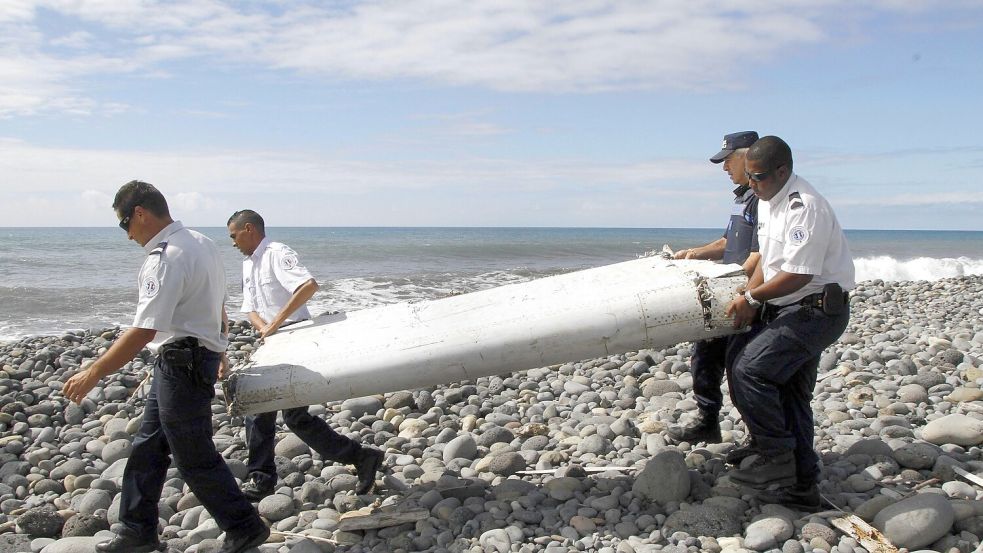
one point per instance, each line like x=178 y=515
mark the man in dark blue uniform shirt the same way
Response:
x=739 y=245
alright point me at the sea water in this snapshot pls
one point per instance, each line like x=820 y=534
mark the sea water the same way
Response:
x=55 y=279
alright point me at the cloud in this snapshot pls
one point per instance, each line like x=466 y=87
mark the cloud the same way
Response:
x=207 y=186
x=504 y=45
x=192 y=201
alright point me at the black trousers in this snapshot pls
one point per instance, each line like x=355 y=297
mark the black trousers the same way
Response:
x=773 y=375
x=261 y=433
x=707 y=365
x=177 y=421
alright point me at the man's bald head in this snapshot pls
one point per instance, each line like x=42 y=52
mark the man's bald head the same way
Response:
x=770 y=152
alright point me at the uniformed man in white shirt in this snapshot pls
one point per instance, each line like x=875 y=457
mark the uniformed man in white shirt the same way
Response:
x=275 y=291
x=797 y=304
x=739 y=244
x=181 y=317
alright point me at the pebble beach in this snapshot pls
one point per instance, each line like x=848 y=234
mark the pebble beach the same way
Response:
x=563 y=458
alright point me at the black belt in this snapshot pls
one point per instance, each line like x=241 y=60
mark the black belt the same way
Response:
x=812 y=300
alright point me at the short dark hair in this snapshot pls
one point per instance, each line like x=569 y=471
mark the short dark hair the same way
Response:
x=244 y=216
x=772 y=151
x=143 y=194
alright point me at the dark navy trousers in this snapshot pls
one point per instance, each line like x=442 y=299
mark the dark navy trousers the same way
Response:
x=707 y=368
x=177 y=421
x=261 y=433
x=773 y=375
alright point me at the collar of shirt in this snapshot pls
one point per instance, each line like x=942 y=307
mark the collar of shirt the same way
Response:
x=258 y=252
x=781 y=196
x=744 y=197
x=160 y=236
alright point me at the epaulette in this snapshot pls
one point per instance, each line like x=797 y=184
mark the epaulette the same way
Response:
x=795 y=201
x=159 y=250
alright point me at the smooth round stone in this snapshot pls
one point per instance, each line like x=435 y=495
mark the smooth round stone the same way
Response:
x=954 y=429
x=94 y=500
x=703 y=520
x=361 y=406
x=916 y=521
x=494 y=435
x=594 y=444
x=664 y=478
x=116 y=450
x=291 y=446
x=912 y=393
x=463 y=446
x=276 y=507
x=959 y=490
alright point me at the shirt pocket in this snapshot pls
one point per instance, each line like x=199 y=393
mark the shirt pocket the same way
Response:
x=267 y=286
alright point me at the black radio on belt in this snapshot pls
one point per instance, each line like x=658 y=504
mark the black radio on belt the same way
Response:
x=182 y=353
x=832 y=300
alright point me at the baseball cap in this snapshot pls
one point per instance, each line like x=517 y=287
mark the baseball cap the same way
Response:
x=732 y=142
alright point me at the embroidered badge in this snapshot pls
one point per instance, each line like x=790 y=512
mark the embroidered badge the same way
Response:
x=288 y=261
x=798 y=235
x=150 y=286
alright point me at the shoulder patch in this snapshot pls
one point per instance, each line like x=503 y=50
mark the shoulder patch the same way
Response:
x=150 y=286
x=288 y=261
x=798 y=235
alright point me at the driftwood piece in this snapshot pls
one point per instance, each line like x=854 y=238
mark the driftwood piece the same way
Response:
x=868 y=536
x=304 y=536
x=968 y=476
x=372 y=517
x=585 y=469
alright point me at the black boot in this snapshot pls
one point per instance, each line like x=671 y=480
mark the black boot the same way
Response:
x=128 y=542
x=741 y=452
x=766 y=468
x=705 y=427
x=257 y=488
x=368 y=463
x=804 y=497
x=243 y=542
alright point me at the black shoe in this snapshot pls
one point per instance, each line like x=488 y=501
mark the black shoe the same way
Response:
x=766 y=469
x=368 y=463
x=801 y=497
x=257 y=488
x=745 y=450
x=126 y=542
x=244 y=542
x=705 y=427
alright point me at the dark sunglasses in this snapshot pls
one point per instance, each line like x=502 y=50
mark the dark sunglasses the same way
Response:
x=758 y=177
x=125 y=222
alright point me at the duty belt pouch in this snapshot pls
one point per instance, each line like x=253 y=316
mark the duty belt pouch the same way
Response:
x=834 y=300
x=187 y=358
x=182 y=358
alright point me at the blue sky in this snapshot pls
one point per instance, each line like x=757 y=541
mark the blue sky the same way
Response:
x=486 y=113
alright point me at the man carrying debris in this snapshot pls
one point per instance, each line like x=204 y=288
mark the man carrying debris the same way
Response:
x=275 y=290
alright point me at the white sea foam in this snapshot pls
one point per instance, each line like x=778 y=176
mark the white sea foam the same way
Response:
x=920 y=268
x=351 y=294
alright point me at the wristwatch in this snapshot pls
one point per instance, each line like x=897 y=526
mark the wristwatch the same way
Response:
x=750 y=299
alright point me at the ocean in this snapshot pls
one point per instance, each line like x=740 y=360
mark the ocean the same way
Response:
x=56 y=279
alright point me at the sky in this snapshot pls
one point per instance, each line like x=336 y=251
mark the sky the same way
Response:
x=572 y=113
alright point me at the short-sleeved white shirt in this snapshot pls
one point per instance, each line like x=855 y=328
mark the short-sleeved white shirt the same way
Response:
x=270 y=276
x=799 y=233
x=182 y=289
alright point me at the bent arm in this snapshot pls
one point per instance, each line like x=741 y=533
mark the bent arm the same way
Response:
x=782 y=285
x=712 y=251
x=300 y=296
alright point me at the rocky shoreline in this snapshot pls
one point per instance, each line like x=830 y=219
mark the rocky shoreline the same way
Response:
x=897 y=407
